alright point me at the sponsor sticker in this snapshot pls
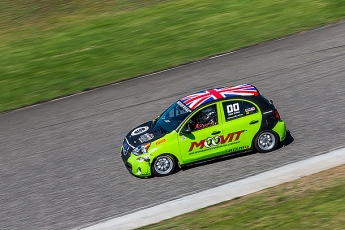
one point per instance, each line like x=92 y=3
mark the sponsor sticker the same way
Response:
x=232 y=117
x=184 y=107
x=161 y=141
x=238 y=149
x=146 y=137
x=139 y=130
x=125 y=148
x=250 y=109
x=216 y=140
x=125 y=145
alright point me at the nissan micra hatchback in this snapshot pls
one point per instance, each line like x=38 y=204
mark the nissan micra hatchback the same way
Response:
x=208 y=124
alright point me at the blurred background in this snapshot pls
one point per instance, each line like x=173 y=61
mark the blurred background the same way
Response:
x=55 y=48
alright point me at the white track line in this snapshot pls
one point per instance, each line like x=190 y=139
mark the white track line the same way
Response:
x=225 y=192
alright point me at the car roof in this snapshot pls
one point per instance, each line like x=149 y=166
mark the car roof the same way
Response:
x=198 y=99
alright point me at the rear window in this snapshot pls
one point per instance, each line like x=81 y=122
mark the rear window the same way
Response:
x=266 y=100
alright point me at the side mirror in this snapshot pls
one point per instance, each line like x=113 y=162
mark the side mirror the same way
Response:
x=185 y=131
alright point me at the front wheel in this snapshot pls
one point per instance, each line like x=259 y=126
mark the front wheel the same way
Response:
x=163 y=165
x=266 y=141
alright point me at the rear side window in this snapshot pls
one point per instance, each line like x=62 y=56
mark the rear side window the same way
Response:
x=236 y=109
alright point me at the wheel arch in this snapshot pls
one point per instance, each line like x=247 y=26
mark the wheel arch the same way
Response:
x=177 y=160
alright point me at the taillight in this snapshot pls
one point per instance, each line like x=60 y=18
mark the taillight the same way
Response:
x=276 y=113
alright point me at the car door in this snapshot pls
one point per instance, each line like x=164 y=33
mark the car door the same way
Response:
x=241 y=122
x=203 y=138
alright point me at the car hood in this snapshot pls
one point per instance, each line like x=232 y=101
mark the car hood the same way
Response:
x=142 y=134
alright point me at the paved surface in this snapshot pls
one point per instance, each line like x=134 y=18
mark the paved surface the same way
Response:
x=224 y=192
x=60 y=166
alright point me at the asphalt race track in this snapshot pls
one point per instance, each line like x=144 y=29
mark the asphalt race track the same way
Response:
x=60 y=166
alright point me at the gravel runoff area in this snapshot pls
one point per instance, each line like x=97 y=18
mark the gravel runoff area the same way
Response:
x=224 y=192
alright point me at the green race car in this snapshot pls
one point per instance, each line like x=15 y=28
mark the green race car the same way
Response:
x=201 y=126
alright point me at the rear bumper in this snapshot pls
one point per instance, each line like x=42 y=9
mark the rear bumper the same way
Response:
x=280 y=129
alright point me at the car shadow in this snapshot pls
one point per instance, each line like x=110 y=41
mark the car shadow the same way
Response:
x=214 y=160
x=288 y=140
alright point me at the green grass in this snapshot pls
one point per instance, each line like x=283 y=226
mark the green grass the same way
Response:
x=55 y=48
x=314 y=202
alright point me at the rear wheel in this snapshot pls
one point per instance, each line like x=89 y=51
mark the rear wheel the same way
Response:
x=266 y=141
x=164 y=165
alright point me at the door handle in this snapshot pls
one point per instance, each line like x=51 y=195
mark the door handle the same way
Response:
x=254 y=122
x=215 y=132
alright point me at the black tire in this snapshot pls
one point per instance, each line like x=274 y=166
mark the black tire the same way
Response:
x=266 y=141
x=163 y=165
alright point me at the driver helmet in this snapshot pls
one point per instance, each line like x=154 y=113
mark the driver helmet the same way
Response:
x=208 y=116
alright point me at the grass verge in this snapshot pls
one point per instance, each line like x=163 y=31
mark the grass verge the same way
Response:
x=312 y=202
x=55 y=48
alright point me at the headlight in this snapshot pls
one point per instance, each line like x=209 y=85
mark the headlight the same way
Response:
x=141 y=149
x=145 y=158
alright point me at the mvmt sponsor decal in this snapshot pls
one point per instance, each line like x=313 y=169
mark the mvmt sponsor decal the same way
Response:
x=216 y=140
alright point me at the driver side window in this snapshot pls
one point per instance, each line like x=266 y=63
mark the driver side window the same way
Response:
x=204 y=118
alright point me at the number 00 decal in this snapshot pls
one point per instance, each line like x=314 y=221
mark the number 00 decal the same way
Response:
x=233 y=108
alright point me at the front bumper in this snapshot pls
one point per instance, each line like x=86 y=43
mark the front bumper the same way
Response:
x=140 y=169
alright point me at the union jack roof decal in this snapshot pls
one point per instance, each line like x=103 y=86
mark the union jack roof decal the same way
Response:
x=195 y=100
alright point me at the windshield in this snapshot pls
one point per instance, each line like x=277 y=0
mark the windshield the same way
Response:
x=172 y=117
